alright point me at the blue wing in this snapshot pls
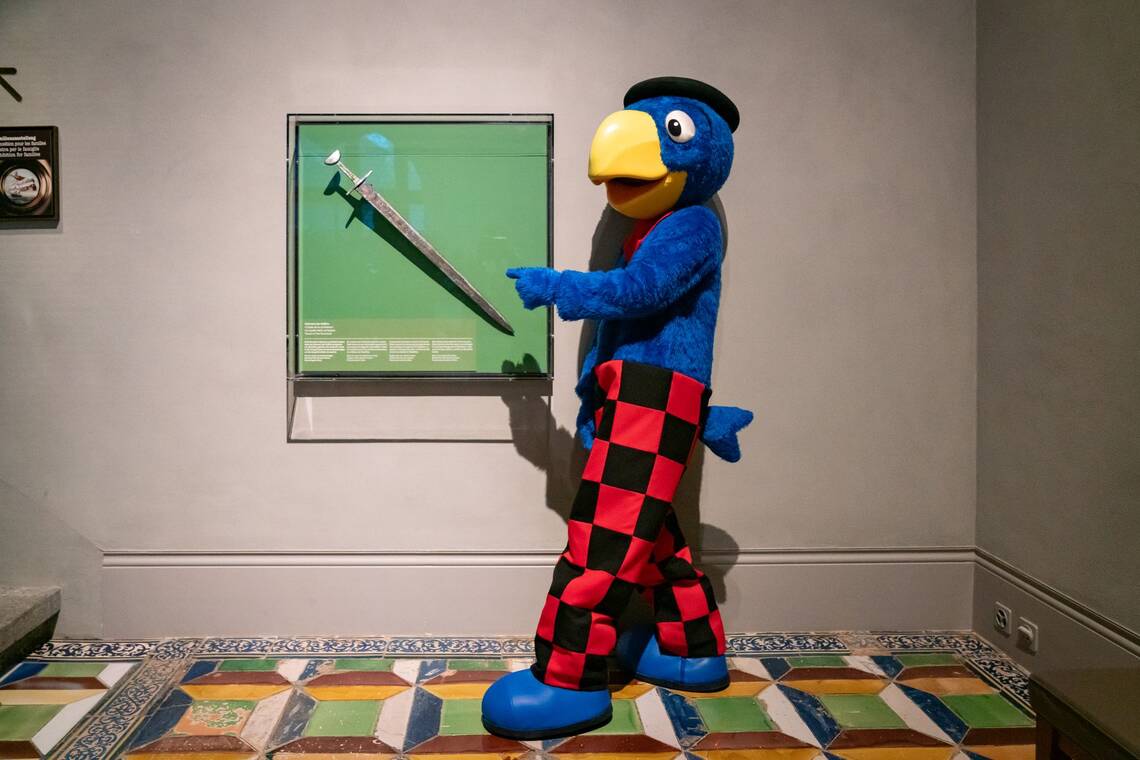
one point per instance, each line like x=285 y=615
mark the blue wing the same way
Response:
x=721 y=427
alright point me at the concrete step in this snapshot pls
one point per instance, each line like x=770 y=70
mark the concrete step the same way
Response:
x=27 y=619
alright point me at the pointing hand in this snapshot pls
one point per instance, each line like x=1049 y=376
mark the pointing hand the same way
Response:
x=535 y=285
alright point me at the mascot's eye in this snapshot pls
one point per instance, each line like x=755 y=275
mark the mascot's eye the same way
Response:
x=680 y=126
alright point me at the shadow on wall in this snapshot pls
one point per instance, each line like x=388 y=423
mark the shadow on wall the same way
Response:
x=556 y=450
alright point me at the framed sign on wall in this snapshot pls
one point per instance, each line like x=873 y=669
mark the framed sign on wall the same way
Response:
x=400 y=230
x=29 y=176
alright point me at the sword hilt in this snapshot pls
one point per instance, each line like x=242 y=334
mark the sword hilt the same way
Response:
x=333 y=159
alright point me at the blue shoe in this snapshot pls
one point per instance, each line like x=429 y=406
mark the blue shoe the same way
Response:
x=640 y=654
x=519 y=706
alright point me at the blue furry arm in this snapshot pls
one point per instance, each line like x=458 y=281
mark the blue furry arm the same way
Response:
x=679 y=253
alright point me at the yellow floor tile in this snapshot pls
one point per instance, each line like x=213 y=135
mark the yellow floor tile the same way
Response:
x=735 y=689
x=458 y=690
x=1005 y=752
x=45 y=696
x=942 y=686
x=254 y=692
x=783 y=753
x=343 y=693
x=898 y=753
x=630 y=690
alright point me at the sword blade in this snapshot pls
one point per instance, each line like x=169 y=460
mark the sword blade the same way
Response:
x=413 y=236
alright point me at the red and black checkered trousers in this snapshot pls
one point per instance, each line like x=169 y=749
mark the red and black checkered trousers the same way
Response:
x=624 y=535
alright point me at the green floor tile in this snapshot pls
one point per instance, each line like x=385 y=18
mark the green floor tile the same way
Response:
x=817 y=661
x=861 y=711
x=365 y=663
x=733 y=714
x=917 y=660
x=248 y=665
x=986 y=710
x=461 y=717
x=344 y=718
x=477 y=664
x=21 y=722
x=625 y=720
x=73 y=669
x=221 y=713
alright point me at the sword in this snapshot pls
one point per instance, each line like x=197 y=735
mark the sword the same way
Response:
x=368 y=193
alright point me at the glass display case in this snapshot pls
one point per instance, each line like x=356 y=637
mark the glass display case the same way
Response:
x=400 y=230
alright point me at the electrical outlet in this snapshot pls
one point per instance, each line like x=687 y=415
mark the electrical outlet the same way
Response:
x=1003 y=619
x=1027 y=636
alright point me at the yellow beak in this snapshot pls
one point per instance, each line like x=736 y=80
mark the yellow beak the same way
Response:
x=626 y=156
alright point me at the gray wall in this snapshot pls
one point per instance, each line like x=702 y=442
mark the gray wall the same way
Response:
x=143 y=381
x=37 y=548
x=1059 y=310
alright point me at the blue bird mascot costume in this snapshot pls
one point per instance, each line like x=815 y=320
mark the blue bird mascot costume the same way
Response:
x=645 y=390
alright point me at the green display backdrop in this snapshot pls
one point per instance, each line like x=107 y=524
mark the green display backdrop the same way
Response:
x=366 y=302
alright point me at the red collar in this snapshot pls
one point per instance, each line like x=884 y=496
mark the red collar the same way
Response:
x=640 y=231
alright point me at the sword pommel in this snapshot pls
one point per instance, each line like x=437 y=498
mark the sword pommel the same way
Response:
x=333 y=159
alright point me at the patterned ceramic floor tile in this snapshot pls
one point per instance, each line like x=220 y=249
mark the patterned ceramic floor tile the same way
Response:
x=640 y=729
x=41 y=702
x=834 y=674
x=817 y=696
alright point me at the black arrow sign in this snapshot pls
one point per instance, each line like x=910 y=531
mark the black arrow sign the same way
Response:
x=4 y=83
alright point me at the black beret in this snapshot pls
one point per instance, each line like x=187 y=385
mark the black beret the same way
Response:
x=686 y=88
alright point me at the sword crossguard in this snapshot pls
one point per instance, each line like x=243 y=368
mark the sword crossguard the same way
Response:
x=362 y=180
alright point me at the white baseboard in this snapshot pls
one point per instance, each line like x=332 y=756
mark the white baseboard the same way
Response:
x=150 y=594
x=1071 y=635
